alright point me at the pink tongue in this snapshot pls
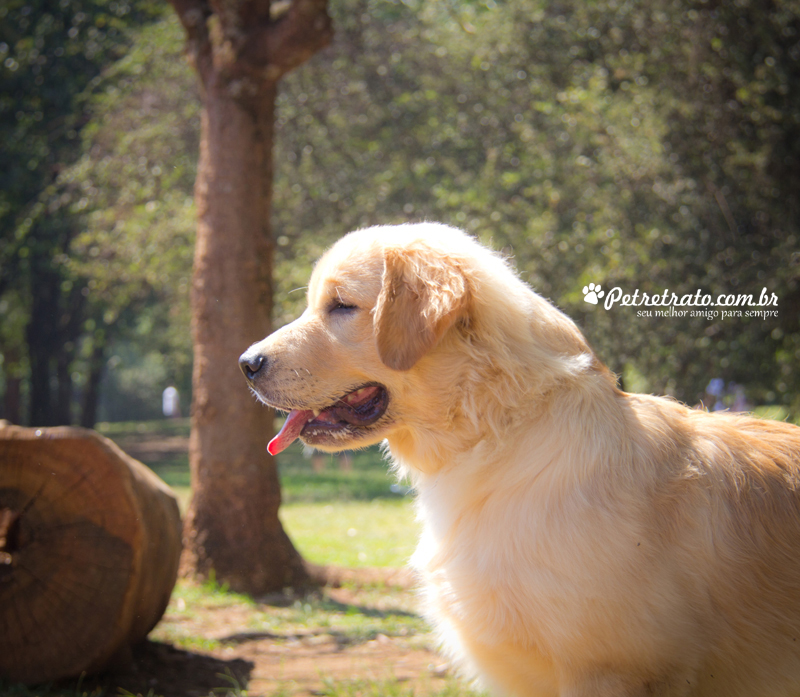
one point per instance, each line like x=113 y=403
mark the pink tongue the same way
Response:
x=290 y=431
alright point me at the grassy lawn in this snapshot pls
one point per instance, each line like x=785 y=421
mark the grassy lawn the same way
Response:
x=354 y=517
x=353 y=534
x=381 y=611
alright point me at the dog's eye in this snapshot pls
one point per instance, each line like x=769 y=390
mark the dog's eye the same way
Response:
x=340 y=306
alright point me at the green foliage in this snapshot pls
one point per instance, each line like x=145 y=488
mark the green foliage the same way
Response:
x=136 y=177
x=49 y=54
x=596 y=142
x=134 y=194
x=49 y=57
x=648 y=146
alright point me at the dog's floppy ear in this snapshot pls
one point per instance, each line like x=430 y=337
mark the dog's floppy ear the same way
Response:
x=423 y=293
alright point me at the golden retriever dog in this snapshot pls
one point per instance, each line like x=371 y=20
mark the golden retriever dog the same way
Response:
x=577 y=540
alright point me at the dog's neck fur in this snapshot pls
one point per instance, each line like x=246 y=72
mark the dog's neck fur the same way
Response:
x=489 y=392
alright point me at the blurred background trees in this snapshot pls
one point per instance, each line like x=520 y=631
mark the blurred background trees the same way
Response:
x=642 y=145
x=74 y=280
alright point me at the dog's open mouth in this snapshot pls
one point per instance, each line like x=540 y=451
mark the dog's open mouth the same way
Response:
x=355 y=410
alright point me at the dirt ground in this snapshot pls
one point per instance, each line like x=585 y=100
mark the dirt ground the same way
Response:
x=291 y=661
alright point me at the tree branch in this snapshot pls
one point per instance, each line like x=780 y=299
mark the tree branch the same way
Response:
x=254 y=12
x=282 y=45
x=193 y=15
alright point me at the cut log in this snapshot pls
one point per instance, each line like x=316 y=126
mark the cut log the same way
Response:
x=90 y=541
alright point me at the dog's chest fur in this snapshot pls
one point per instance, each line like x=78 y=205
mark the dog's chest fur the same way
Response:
x=519 y=575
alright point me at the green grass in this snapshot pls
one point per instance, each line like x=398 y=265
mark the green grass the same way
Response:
x=209 y=594
x=349 y=623
x=131 y=429
x=300 y=484
x=351 y=617
x=352 y=518
x=172 y=467
x=368 y=479
x=353 y=533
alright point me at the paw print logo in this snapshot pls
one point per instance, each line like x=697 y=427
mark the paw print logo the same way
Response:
x=592 y=293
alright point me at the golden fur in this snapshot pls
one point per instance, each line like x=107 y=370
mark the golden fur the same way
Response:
x=578 y=541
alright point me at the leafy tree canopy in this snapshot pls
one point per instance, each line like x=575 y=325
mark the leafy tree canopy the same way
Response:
x=647 y=146
x=640 y=145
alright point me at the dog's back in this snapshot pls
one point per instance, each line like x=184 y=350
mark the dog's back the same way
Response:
x=625 y=532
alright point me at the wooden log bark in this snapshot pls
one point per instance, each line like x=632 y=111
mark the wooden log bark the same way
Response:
x=90 y=541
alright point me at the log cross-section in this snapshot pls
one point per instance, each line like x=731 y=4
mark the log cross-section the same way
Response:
x=89 y=550
x=7 y=541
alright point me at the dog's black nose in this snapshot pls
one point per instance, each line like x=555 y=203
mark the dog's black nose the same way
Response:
x=251 y=361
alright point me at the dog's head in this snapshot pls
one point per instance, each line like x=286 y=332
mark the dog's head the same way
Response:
x=409 y=330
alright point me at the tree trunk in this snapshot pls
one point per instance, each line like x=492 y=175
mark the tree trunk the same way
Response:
x=63 y=406
x=41 y=336
x=12 y=406
x=53 y=327
x=91 y=395
x=232 y=526
x=12 y=400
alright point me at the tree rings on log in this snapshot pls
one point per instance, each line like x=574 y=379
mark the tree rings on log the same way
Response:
x=90 y=541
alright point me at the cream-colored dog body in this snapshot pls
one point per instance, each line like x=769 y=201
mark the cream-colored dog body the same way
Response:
x=577 y=540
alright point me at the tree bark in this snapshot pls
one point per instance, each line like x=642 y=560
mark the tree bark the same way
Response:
x=12 y=399
x=232 y=526
x=63 y=405
x=52 y=330
x=91 y=395
x=89 y=548
x=42 y=341
x=12 y=406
